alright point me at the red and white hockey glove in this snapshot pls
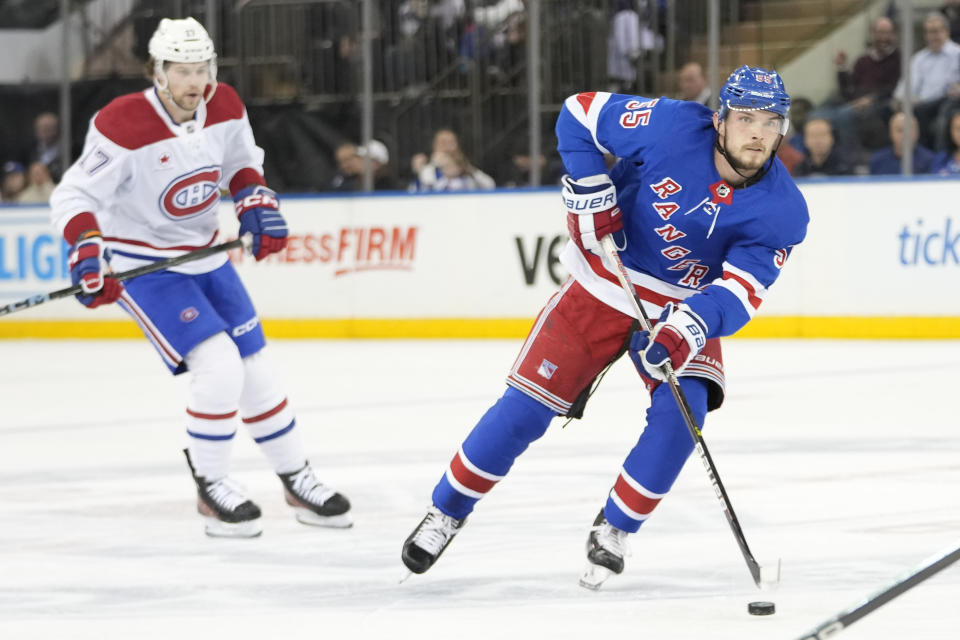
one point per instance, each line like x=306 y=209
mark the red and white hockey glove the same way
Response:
x=258 y=210
x=678 y=336
x=592 y=210
x=89 y=263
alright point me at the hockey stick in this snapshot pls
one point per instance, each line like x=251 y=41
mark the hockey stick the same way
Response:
x=759 y=577
x=40 y=298
x=876 y=600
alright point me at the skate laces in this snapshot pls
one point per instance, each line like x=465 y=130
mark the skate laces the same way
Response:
x=306 y=486
x=227 y=493
x=611 y=539
x=435 y=531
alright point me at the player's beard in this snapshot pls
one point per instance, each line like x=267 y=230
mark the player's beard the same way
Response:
x=186 y=102
x=745 y=161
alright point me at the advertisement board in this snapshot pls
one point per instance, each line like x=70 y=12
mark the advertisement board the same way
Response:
x=881 y=258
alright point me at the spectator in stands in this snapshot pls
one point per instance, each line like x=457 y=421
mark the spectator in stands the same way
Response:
x=380 y=159
x=39 y=184
x=448 y=168
x=800 y=109
x=951 y=10
x=948 y=162
x=350 y=162
x=14 y=181
x=692 y=84
x=46 y=143
x=421 y=45
x=887 y=161
x=495 y=13
x=623 y=47
x=864 y=92
x=822 y=157
x=934 y=75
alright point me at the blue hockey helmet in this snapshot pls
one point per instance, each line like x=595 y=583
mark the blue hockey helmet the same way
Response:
x=755 y=89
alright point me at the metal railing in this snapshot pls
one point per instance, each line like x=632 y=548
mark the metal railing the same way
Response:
x=496 y=71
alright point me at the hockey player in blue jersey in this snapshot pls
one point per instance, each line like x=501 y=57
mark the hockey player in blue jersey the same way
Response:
x=704 y=217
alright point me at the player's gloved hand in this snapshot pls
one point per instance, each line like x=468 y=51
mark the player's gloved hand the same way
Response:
x=678 y=336
x=89 y=263
x=258 y=210
x=592 y=210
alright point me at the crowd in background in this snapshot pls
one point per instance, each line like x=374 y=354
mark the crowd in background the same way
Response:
x=859 y=130
x=30 y=173
x=862 y=127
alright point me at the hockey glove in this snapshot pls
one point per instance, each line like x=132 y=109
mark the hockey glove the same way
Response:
x=592 y=210
x=678 y=336
x=258 y=210
x=89 y=262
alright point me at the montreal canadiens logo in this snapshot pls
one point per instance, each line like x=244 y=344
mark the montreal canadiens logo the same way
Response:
x=191 y=194
x=189 y=314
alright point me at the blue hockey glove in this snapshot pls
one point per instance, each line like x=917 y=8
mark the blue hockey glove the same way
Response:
x=678 y=336
x=258 y=210
x=89 y=263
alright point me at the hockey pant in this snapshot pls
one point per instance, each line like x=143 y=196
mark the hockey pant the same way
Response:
x=516 y=420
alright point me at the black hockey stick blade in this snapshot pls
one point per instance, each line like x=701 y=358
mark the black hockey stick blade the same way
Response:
x=903 y=583
x=159 y=265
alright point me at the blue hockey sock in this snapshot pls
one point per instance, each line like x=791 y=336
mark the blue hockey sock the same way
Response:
x=655 y=462
x=503 y=433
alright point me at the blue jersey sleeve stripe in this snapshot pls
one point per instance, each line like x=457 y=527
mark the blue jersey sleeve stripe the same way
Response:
x=720 y=309
x=577 y=135
x=586 y=110
x=743 y=295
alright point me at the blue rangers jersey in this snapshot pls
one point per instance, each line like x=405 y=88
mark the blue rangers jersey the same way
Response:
x=689 y=235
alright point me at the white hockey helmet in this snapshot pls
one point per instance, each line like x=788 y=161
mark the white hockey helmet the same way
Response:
x=182 y=40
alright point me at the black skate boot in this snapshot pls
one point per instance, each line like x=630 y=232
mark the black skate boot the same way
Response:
x=226 y=510
x=313 y=502
x=606 y=547
x=422 y=548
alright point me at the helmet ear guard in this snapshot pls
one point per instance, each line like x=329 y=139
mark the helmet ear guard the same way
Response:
x=182 y=41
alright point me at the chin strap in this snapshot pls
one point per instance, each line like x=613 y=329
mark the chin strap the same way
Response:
x=747 y=180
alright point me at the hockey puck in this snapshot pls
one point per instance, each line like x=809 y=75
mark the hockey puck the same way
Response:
x=761 y=608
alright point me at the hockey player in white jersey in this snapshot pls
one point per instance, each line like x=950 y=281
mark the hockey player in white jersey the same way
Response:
x=147 y=187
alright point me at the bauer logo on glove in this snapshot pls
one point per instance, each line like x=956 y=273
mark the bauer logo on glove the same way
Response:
x=592 y=210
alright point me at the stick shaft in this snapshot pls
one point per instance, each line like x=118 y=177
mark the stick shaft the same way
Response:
x=876 y=600
x=159 y=265
x=621 y=272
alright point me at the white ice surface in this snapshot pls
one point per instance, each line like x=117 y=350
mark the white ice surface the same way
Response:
x=841 y=458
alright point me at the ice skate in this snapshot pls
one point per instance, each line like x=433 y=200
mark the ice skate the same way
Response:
x=606 y=547
x=226 y=510
x=422 y=548
x=313 y=502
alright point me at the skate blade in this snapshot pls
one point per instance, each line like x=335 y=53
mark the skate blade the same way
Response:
x=594 y=576
x=219 y=529
x=305 y=516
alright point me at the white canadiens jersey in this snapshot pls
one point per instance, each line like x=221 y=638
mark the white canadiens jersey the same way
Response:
x=154 y=185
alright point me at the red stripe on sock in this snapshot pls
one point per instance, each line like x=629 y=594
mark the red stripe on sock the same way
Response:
x=633 y=499
x=211 y=416
x=468 y=478
x=263 y=416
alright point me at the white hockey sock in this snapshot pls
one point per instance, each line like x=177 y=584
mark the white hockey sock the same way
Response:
x=268 y=417
x=216 y=380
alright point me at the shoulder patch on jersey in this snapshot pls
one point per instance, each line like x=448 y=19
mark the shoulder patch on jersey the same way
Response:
x=225 y=105
x=131 y=122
